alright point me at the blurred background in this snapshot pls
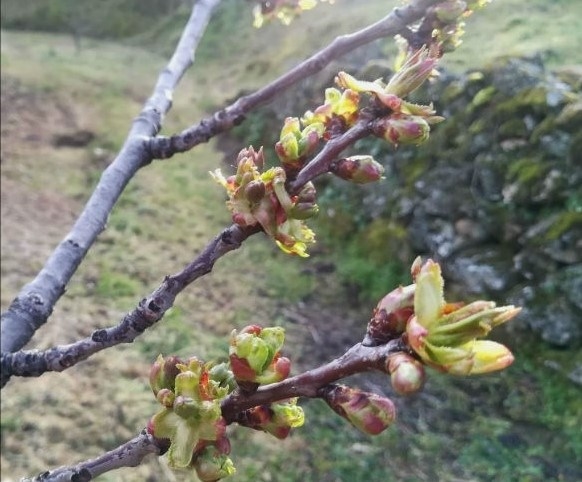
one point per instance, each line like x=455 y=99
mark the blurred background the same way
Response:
x=495 y=196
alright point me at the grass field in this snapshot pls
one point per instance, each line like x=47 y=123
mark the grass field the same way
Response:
x=168 y=213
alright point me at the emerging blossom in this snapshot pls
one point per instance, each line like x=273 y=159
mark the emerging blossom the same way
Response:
x=190 y=413
x=255 y=355
x=445 y=335
x=276 y=419
x=261 y=198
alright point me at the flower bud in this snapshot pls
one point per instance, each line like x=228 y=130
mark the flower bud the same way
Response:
x=255 y=355
x=358 y=169
x=368 y=412
x=255 y=191
x=277 y=419
x=406 y=373
x=166 y=397
x=417 y=68
x=390 y=316
x=402 y=129
x=211 y=465
x=163 y=373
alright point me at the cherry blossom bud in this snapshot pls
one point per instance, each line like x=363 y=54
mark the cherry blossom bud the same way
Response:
x=211 y=465
x=390 y=316
x=402 y=129
x=406 y=373
x=163 y=373
x=358 y=169
x=368 y=412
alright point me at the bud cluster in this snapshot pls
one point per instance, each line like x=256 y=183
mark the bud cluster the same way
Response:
x=448 y=21
x=190 y=418
x=255 y=356
x=283 y=10
x=257 y=197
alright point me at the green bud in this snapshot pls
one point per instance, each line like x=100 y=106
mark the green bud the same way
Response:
x=212 y=465
x=406 y=373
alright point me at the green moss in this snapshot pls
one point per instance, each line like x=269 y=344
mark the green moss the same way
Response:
x=527 y=170
x=528 y=100
x=564 y=222
x=484 y=96
x=545 y=127
x=512 y=128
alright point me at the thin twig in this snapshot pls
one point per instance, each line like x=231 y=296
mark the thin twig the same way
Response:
x=35 y=302
x=357 y=359
x=321 y=162
x=33 y=363
x=398 y=20
x=129 y=454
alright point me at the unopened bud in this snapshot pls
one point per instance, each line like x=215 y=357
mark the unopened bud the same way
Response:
x=402 y=129
x=368 y=412
x=211 y=465
x=255 y=191
x=166 y=397
x=358 y=169
x=163 y=373
x=406 y=373
x=390 y=316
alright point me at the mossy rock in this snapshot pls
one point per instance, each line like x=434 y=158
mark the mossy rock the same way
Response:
x=385 y=241
x=532 y=100
x=575 y=148
x=512 y=128
x=527 y=170
x=484 y=96
x=570 y=119
x=545 y=127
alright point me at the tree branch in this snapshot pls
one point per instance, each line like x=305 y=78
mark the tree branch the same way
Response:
x=34 y=304
x=163 y=147
x=33 y=363
x=332 y=149
x=357 y=359
x=130 y=454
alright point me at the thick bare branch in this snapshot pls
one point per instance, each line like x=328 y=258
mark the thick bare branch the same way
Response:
x=130 y=454
x=398 y=20
x=33 y=363
x=35 y=302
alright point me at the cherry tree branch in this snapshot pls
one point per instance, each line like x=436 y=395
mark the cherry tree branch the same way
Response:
x=34 y=304
x=321 y=162
x=129 y=454
x=357 y=359
x=162 y=147
x=33 y=363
